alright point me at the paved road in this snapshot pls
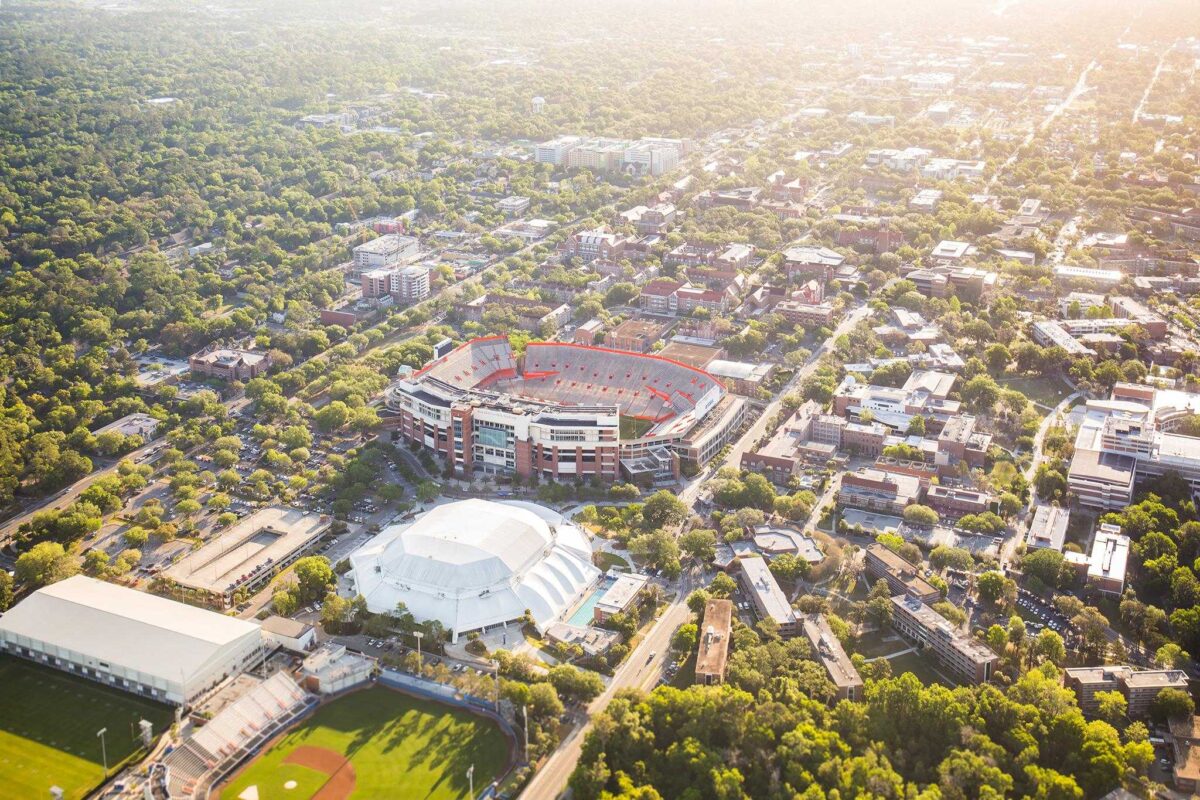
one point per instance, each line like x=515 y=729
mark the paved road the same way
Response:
x=640 y=671
x=1010 y=545
x=759 y=426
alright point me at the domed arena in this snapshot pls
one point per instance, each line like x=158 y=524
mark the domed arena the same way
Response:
x=473 y=564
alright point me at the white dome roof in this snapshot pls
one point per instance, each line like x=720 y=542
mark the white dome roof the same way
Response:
x=475 y=563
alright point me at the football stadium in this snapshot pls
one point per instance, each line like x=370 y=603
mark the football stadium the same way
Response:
x=564 y=411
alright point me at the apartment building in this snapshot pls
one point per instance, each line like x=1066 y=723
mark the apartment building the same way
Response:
x=966 y=658
x=713 y=650
x=1185 y=744
x=635 y=335
x=810 y=315
x=903 y=577
x=832 y=656
x=769 y=600
x=1139 y=687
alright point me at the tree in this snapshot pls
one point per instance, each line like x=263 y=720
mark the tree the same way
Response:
x=578 y=684
x=722 y=585
x=917 y=514
x=944 y=556
x=314 y=575
x=663 y=509
x=1044 y=564
x=6 y=590
x=1048 y=646
x=993 y=587
x=332 y=416
x=685 y=638
x=1171 y=656
x=916 y=426
x=1111 y=707
x=45 y=563
x=1171 y=704
x=699 y=544
x=284 y=602
x=697 y=600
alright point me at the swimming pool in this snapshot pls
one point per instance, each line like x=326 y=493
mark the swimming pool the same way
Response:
x=584 y=615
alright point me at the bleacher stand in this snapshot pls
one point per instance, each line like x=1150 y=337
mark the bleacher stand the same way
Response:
x=237 y=730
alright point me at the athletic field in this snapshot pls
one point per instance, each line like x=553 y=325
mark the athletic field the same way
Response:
x=376 y=743
x=48 y=725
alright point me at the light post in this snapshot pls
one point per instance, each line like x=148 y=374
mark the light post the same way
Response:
x=471 y=781
x=103 y=749
x=418 y=635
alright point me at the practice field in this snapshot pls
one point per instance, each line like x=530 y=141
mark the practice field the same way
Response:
x=376 y=743
x=48 y=726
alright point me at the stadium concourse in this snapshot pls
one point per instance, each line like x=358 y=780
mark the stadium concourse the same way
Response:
x=557 y=411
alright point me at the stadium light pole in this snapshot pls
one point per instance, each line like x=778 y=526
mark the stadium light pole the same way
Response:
x=103 y=749
x=471 y=781
x=418 y=635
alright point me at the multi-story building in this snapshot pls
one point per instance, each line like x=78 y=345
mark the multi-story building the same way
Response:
x=957 y=502
x=1109 y=560
x=902 y=577
x=377 y=282
x=390 y=250
x=411 y=284
x=514 y=205
x=555 y=151
x=959 y=442
x=231 y=364
x=635 y=335
x=796 y=312
x=1139 y=687
x=877 y=490
x=769 y=600
x=967 y=658
x=620 y=598
x=1185 y=745
x=811 y=262
x=713 y=653
x=1130 y=438
x=832 y=656
x=596 y=243
x=1048 y=528
x=924 y=394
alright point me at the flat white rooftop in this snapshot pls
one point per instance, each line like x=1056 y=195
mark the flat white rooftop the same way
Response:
x=264 y=538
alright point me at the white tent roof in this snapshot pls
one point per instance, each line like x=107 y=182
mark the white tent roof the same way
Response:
x=477 y=562
x=125 y=627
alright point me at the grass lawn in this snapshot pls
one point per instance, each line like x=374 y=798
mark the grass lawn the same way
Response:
x=686 y=676
x=920 y=665
x=609 y=560
x=872 y=645
x=48 y=725
x=398 y=745
x=1047 y=391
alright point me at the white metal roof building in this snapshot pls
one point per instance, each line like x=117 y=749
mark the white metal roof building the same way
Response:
x=134 y=641
x=477 y=563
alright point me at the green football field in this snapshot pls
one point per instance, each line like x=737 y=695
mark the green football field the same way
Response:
x=397 y=746
x=48 y=726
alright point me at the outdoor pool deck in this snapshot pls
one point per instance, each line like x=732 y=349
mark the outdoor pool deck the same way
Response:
x=585 y=613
